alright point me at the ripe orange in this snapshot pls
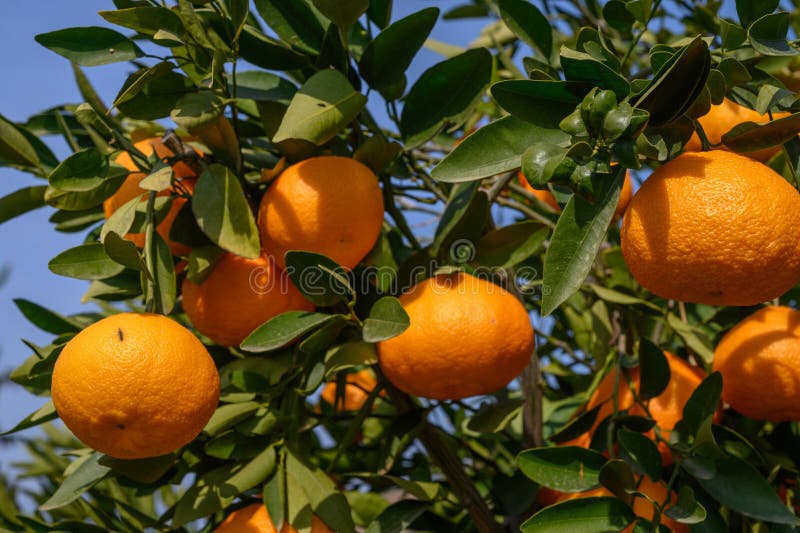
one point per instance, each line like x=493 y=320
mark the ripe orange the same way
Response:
x=255 y=519
x=467 y=336
x=642 y=507
x=721 y=118
x=715 y=228
x=130 y=189
x=355 y=392
x=135 y=385
x=759 y=360
x=238 y=296
x=667 y=408
x=547 y=197
x=328 y=205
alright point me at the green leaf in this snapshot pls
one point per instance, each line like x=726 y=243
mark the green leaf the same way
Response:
x=283 y=329
x=562 y=468
x=687 y=509
x=349 y=355
x=46 y=319
x=121 y=220
x=324 y=105
x=752 y=137
x=326 y=501
x=140 y=79
x=577 y=426
x=768 y=35
x=692 y=337
x=45 y=413
x=321 y=280
x=461 y=223
x=264 y=87
x=201 y=262
x=294 y=22
x=751 y=10
x=239 y=11
x=576 y=239
x=227 y=416
x=617 y=297
x=121 y=287
x=738 y=486
x=147 y=20
x=617 y=477
x=539 y=101
x=166 y=284
x=20 y=202
x=443 y=94
x=703 y=402
x=82 y=171
x=124 y=252
x=198 y=109
x=380 y=12
x=579 y=66
x=148 y=470
x=152 y=94
x=529 y=24
x=494 y=417
x=641 y=453
x=90 y=46
x=582 y=515
x=655 y=373
x=494 y=148
x=267 y=53
x=397 y=517
x=15 y=148
x=223 y=213
x=677 y=84
x=82 y=200
x=387 y=319
x=386 y=58
x=508 y=246
x=81 y=479
x=256 y=374
x=87 y=261
x=344 y=13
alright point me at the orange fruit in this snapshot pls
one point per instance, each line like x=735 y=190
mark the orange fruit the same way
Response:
x=328 y=205
x=135 y=385
x=356 y=391
x=239 y=295
x=130 y=189
x=721 y=118
x=547 y=197
x=255 y=519
x=642 y=507
x=467 y=336
x=759 y=360
x=715 y=228
x=666 y=408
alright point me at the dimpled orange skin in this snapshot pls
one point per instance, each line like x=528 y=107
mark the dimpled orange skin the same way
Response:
x=135 y=385
x=355 y=392
x=715 y=228
x=130 y=189
x=642 y=507
x=759 y=360
x=547 y=197
x=328 y=205
x=255 y=519
x=721 y=118
x=666 y=408
x=239 y=295
x=467 y=336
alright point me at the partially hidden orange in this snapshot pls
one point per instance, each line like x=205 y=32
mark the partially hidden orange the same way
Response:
x=328 y=205
x=135 y=385
x=239 y=295
x=715 y=228
x=356 y=390
x=467 y=336
x=255 y=519
x=130 y=189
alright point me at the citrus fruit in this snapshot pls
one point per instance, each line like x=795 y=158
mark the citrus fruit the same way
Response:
x=255 y=519
x=715 y=228
x=642 y=506
x=547 y=197
x=135 y=385
x=467 y=336
x=759 y=360
x=666 y=408
x=328 y=205
x=130 y=189
x=239 y=295
x=356 y=391
x=721 y=118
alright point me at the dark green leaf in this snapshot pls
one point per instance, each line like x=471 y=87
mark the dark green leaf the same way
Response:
x=380 y=12
x=21 y=201
x=156 y=97
x=87 y=261
x=768 y=35
x=146 y=19
x=148 y=470
x=386 y=59
x=124 y=252
x=82 y=171
x=283 y=329
x=494 y=417
x=267 y=53
x=326 y=501
x=751 y=10
x=46 y=319
x=90 y=46
x=529 y=24
x=703 y=402
x=655 y=372
x=140 y=79
x=223 y=213
x=617 y=477
x=15 y=148
x=319 y=278
x=577 y=426
x=263 y=86
x=397 y=517
x=79 y=481
x=511 y=245
x=387 y=319
x=752 y=137
x=45 y=413
x=495 y=148
x=579 y=66
x=582 y=515
x=562 y=468
x=577 y=237
x=166 y=284
x=461 y=223
x=539 y=101
x=641 y=453
x=344 y=13
x=443 y=93
x=294 y=22
x=687 y=509
x=323 y=106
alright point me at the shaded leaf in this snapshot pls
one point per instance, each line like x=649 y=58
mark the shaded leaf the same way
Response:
x=90 y=46
x=283 y=329
x=81 y=479
x=562 y=468
x=387 y=319
x=582 y=515
x=87 y=261
x=21 y=201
